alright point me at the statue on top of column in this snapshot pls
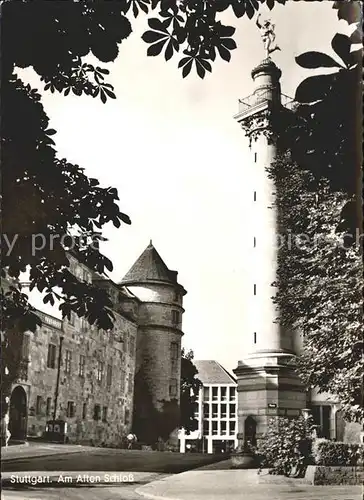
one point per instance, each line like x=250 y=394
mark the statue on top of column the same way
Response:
x=268 y=35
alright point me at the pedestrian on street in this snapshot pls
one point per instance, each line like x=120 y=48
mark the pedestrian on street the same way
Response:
x=131 y=439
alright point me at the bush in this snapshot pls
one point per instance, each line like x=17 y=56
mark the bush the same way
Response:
x=327 y=452
x=286 y=446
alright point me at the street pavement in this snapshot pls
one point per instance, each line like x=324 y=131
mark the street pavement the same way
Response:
x=35 y=449
x=90 y=485
x=239 y=485
x=151 y=475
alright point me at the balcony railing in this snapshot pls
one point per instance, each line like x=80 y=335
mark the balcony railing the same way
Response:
x=253 y=100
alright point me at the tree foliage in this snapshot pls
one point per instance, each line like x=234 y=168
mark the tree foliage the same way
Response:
x=320 y=283
x=190 y=386
x=286 y=447
x=49 y=196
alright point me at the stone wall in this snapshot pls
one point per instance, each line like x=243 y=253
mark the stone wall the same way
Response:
x=106 y=379
x=326 y=475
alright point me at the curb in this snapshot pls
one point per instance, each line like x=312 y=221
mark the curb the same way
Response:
x=151 y=496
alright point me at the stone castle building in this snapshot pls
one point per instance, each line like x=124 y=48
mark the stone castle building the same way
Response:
x=85 y=376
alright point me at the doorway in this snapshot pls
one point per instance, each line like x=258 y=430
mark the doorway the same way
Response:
x=18 y=414
x=250 y=430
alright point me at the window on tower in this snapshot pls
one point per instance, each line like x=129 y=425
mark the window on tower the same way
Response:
x=254 y=242
x=255 y=337
x=255 y=289
x=255 y=157
x=175 y=317
x=255 y=196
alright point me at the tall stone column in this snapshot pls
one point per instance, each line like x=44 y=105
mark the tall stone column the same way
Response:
x=267 y=382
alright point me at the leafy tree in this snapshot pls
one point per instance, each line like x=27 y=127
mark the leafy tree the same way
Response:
x=190 y=386
x=286 y=447
x=320 y=284
x=49 y=204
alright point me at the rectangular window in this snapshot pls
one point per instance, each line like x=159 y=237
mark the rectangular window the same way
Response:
x=214 y=411
x=174 y=350
x=206 y=429
x=206 y=410
x=255 y=289
x=67 y=362
x=84 y=325
x=51 y=359
x=232 y=428
x=232 y=411
x=206 y=393
x=127 y=416
x=255 y=337
x=223 y=428
x=254 y=242
x=122 y=381
x=48 y=406
x=72 y=319
x=100 y=371
x=175 y=317
x=173 y=388
x=255 y=196
x=108 y=376
x=174 y=356
x=132 y=345
x=97 y=412
x=232 y=393
x=223 y=411
x=84 y=411
x=104 y=413
x=214 y=428
x=25 y=347
x=255 y=157
x=223 y=393
x=177 y=296
x=130 y=384
x=81 y=366
x=215 y=393
x=38 y=405
x=71 y=409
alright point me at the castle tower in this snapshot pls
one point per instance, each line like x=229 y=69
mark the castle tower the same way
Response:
x=158 y=352
x=267 y=383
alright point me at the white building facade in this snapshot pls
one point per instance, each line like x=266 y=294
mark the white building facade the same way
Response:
x=216 y=412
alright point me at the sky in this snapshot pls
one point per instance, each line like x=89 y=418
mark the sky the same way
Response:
x=179 y=161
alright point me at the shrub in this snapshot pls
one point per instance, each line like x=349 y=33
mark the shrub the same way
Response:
x=286 y=446
x=327 y=452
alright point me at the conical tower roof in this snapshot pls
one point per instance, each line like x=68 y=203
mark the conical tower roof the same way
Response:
x=149 y=267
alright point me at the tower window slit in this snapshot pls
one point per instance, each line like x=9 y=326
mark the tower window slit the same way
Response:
x=255 y=196
x=255 y=337
x=255 y=157
x=254 y=242
x=255 y=289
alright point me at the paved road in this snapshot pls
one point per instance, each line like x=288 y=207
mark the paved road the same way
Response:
x=240 y=485
x=85 y=493
x=107 y=459
x=75 y=485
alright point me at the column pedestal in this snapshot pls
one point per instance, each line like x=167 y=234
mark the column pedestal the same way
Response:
x=268 y=387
